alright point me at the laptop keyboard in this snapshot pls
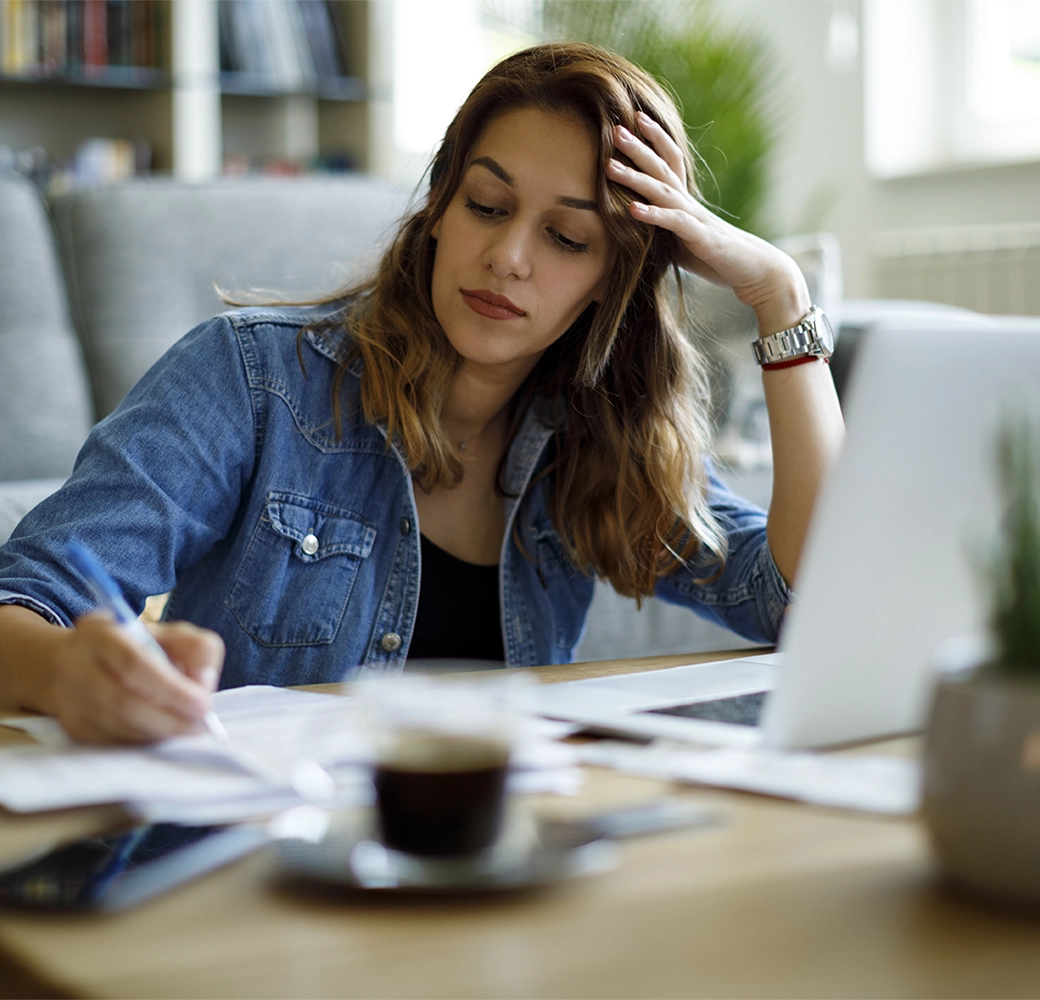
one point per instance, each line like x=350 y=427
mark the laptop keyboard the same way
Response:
x=743 y=710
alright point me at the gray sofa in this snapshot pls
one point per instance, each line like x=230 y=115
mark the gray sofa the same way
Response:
x=94 y=288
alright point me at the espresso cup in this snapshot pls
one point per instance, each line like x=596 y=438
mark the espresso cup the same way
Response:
x=442 y=749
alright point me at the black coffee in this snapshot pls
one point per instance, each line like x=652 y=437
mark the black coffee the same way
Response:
x=442 y=795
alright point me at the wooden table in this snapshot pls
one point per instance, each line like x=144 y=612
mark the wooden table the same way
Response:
x=780 y=900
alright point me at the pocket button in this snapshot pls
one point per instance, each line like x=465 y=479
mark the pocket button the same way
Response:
x=309 y=544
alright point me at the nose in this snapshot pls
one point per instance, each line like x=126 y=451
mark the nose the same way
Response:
x=509 y=252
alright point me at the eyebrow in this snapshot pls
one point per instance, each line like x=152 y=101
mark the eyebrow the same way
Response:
x=496 y=168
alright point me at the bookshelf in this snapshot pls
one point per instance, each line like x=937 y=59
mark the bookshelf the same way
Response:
x=202 y=85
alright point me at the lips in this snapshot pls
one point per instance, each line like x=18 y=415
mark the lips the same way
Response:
x=489 y=304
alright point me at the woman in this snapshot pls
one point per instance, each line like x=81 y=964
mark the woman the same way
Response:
x=511 y=383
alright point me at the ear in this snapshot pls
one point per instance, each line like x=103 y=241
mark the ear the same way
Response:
x=435 y=232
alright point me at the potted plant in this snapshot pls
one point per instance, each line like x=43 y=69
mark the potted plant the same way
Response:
x=982 y=749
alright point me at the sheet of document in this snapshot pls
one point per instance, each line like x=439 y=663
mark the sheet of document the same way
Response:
x=191 y=779
x=871 y=783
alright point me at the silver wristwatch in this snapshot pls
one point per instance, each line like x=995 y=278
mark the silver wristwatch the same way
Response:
x=813 y=335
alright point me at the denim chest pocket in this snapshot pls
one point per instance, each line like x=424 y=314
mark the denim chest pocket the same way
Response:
x=300 y=565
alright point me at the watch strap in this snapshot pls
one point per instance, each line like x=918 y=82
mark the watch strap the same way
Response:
x=770 y=366
x=801 y=340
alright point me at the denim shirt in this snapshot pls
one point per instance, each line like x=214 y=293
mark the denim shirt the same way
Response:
x=220 y=478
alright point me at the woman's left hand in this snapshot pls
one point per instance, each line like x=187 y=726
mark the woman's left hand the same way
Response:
x=761 y=275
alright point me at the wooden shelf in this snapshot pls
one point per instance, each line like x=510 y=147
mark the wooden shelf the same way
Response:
x=241 y=115
x=112 y=77
x=340 y=88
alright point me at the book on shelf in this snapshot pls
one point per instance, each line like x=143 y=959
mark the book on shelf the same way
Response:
x=284 y=45
x=95 y=34
x=74 y=38
x=53 y=35
x=287 y=46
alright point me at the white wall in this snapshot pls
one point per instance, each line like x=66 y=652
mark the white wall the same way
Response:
x=819 y=178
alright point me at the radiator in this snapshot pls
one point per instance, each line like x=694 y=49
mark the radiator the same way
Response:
x=992 y=269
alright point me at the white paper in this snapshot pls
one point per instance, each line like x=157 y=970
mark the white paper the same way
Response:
x=192 y=779
x=560 y=781
x=353 y=788
x=872 y=783
x=41 y=728
x=278 y=725
x=36 y=778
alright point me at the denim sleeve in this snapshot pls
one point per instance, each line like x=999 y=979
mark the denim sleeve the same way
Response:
x=749 y=596
x=156 y=484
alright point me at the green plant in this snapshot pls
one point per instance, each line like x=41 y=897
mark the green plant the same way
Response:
x=719 y=74
x=1015 y=564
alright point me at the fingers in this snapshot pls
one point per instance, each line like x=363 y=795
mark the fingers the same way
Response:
x=198 y=652
x=664 y=145
x=701 y=241
x=107 y=688
x=655 y=155
x=139 y=670
x=655 y=190
x=673 y=219
x=106 y=713
x=658 y=183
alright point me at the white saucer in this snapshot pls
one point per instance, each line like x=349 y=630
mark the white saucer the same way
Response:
x=528 y=853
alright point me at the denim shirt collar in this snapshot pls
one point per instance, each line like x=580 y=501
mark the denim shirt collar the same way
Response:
x=524 y=452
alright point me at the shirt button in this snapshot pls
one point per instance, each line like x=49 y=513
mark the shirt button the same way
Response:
x=406 y=525
x=310 y=544
x=391 y=642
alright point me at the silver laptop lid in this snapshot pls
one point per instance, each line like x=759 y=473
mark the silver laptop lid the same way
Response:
x=890 y=569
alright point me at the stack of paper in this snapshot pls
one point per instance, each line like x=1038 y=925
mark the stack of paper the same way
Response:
x=192 y=779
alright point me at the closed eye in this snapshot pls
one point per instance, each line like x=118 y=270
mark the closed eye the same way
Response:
x=490 y=213
x=571 y=246
x=483 y=211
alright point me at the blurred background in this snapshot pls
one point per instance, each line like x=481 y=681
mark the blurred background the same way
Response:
x=892 y=147
x=910 y=129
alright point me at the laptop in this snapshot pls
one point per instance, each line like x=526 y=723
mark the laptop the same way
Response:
x=892 y=566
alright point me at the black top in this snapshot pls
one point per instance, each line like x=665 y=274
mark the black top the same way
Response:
x=458 y=615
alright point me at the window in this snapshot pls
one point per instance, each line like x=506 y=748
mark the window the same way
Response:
x=440 y=50
x=951 y=83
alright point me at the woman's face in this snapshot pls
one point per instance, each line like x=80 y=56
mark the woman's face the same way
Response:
x=521 y=248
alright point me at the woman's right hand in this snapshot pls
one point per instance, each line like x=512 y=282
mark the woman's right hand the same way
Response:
x=105 y=688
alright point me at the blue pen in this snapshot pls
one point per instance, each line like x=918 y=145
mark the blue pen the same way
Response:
x=107 y=591
x=308 y=778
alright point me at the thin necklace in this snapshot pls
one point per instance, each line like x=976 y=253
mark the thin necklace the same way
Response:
x=464 y=445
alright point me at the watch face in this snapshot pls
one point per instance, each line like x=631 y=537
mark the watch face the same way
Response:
x=824 y=332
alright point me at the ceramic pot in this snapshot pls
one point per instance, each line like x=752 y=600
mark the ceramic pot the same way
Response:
x=981 y=796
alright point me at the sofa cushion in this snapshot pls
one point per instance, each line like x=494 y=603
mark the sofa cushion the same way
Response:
x=45 y=408
x=143 y=258
x=18 y=498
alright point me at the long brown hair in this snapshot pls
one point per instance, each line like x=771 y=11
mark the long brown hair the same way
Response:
x=628 y=480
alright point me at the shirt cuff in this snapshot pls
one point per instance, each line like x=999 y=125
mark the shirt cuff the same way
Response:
x=52 y=616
